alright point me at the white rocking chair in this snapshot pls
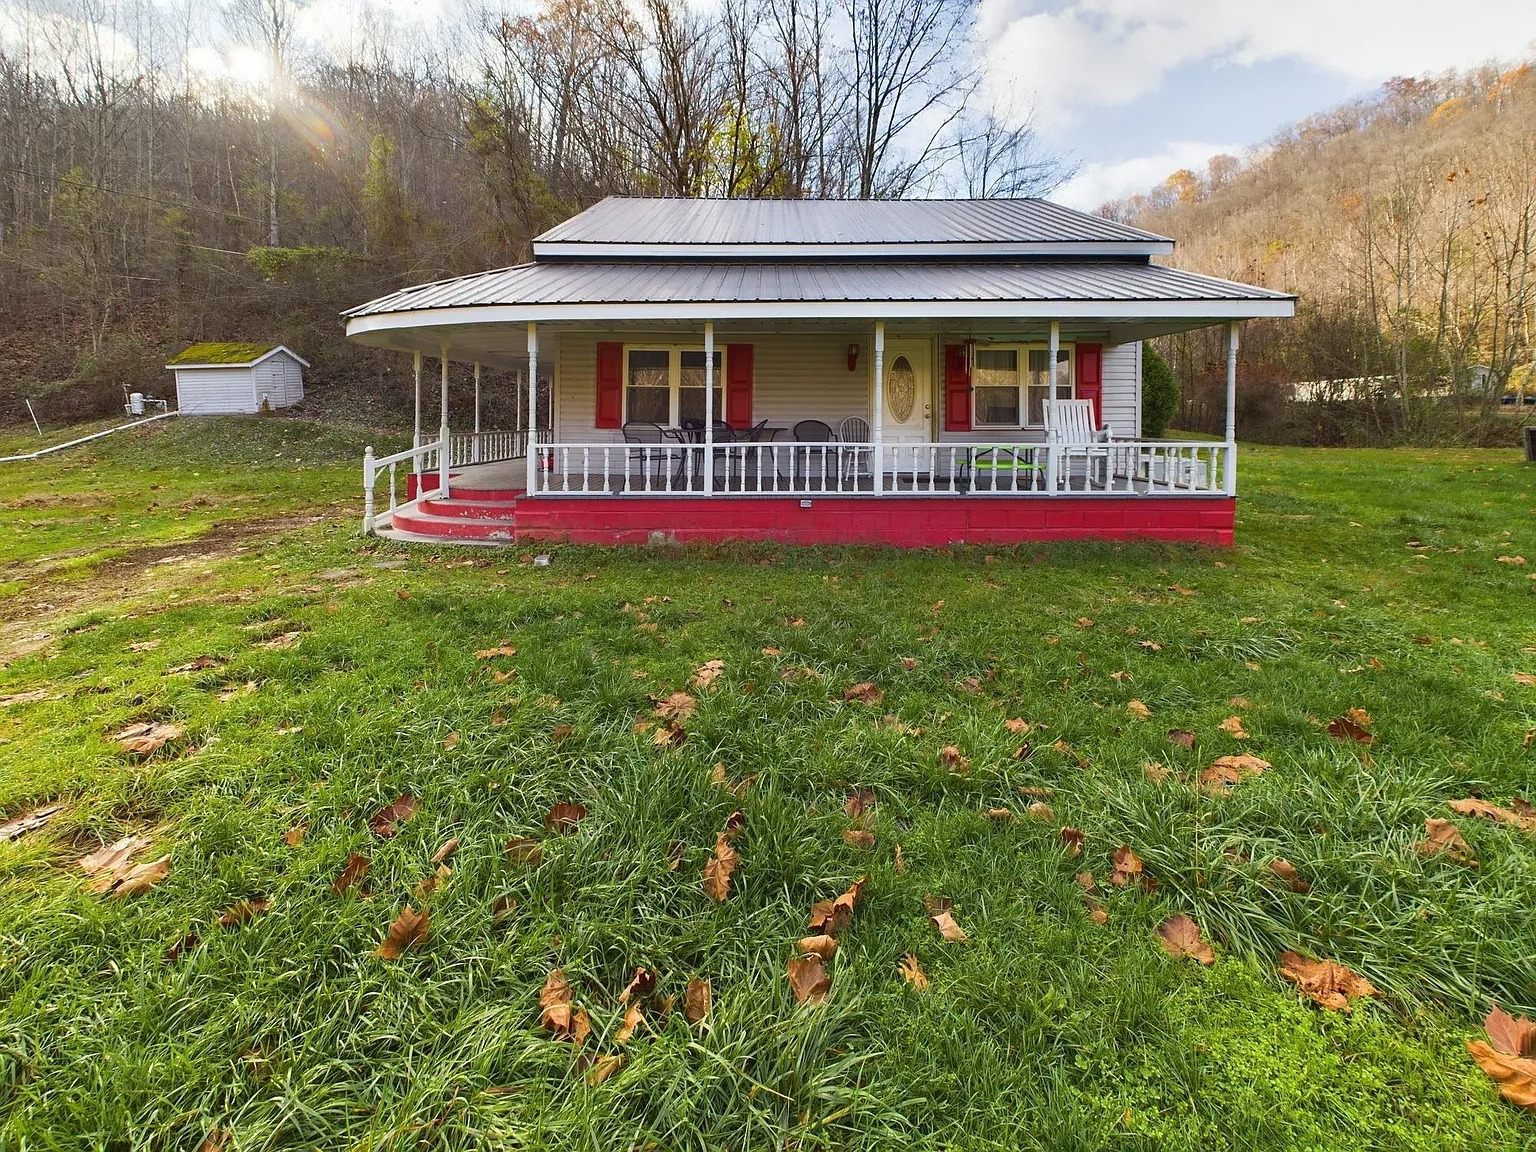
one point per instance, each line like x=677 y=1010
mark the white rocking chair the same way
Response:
x=1072 y=432
x=854 y=430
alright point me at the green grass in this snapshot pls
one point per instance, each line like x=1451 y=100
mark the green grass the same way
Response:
x=1043 y=1030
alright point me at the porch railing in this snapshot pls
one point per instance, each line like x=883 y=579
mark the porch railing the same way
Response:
x=422 y=459
x=1117 y=468
x=488 y=447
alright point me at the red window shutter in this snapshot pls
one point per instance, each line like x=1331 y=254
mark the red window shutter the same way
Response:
x=610 y=385
x=738 y=385
x=957 y=389
x=1090 y=378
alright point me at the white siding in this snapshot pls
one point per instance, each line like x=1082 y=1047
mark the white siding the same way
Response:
x=280 y=379
x=1122 y=390
x=211 y=391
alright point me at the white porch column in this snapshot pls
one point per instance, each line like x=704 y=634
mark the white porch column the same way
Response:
x=416 y=426
x=877 y=424
x=475 y=451
x=531 y=434
x=1052 y=451
x=709 y=408
x=444 y=454
x=1231 y=469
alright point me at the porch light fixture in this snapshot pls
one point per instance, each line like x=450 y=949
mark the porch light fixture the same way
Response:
x=853 y=357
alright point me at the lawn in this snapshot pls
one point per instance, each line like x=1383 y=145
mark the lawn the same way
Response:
x=211 y=577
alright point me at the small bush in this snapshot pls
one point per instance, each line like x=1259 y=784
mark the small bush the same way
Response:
x=1159 y=393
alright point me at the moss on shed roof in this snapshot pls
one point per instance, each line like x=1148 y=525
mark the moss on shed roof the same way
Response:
x=221 y=352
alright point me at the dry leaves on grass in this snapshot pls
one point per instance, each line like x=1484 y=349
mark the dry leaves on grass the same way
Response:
x=948 y=929
x=634 y=1016
x=696 y=999
x=719 y=868
x=830 y=917
x=1017 y=727
x=1125 y=868
x=1233 y=727
x=820 y=945
x=557 y=1011
x=492 y=653
x=1139 y=710
x=448 y=849
x=1329 y=984
x=139 y=880
x=912 y=972
x=1353 y=725
x=1513 y=815
x=1442 y=838
x=951 y=758
x=1182 y=737
x=1508 y=1056
x=603 y=1067
x=408 y=931
x=524 y=850
x=859 y=838
x=281 y=641
x=1096 y=912
x=32 y=697
x=564 y=817
x=295 y=835
x=352 y=874
x=1072 y=841
x=430 y=884
x=242 y=911
x=114 y=873
x=1180 y=936
x=147 y=736
x=29 y=822
x=235 y=691
x=706 y=673
x=809 y=979
x=1284 y=871
x=864 y=692
x=1225 y=771
x=386 y=822
x=1526 y=678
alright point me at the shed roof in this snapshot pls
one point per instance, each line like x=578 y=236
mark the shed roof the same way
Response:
x=229 y=354
x=713 y=229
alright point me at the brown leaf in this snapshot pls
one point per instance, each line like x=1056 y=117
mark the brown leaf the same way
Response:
x=1155 y=771
x=31 y=697
x=860 y=802
x=633 y=1017
x=696 y=1000
x=492 y=653
x=900 y=860
x=179 y=949
x=408 y=931
x=108 y=861
x=706 y=673
x=194 y=665
x=643 y=984
x=909 y=662
x=147 y=736
x=1233 y=727
x=830 y=917
x=1127 y=867
x=556 y=1010
x=215 y=1141
x=1040 y=810
x=735 y=824
x=1180 y=937
x=141 y=879
x=1347 y=728
x=352 y=874
x=808 y=979
x=1181 y=737
x=912 y=972
x=430 y=884
x=293 y=837
x=1017 y=727
x=945 y=923
x=1217 y=780
x=1072 y=841
x=30 y=822
x=859 y=838
x=1516 y=1077
x=1443 y=837
x=773 y=652
x=1286 y=873
x=718 y=870
x=1475 y=807
x=1511 y=1036
x=1526 y=678
x=560 y=731
x=865 y=693
x=386 y=821
x=564 y=817
x=448 y=849
x=950 y=757
x=676 y=708
x=283 y=640
x=502 y=907
x=1151 y=645
x=1329 y=984
x=502 y=676
x=1240 y=702
x=243 y=910
x=823 y=945
x=997 y=815
x=235 y=691
x=523 y=850
x=604 y=1067
x=1139 y=710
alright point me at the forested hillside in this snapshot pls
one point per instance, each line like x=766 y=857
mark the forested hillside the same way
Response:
x=146 y=202
x=1405 y=223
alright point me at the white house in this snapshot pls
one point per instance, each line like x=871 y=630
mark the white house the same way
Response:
x=218 y=378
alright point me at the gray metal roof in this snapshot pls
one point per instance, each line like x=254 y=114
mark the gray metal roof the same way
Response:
x=712 y=228
x=557 y=285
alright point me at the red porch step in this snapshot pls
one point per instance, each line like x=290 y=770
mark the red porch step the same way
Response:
x=486 y=514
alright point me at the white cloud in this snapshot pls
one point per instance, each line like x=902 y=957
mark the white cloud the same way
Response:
x=1111 y=52
x=1097 y=182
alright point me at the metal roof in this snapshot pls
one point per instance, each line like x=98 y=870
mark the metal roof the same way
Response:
x=710 y=229
x=549 y=289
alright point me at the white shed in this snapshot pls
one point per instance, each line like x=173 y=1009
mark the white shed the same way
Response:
x=221 y=378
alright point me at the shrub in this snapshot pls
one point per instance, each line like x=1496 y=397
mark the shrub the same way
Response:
x=1159 y=393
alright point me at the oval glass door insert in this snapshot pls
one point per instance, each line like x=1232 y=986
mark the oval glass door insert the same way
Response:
x=901 y=390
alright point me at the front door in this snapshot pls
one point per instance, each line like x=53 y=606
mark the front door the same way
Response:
x=908 y=387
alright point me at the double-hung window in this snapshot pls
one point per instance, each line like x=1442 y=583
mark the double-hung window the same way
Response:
x=665 y=384
x=1010 y=383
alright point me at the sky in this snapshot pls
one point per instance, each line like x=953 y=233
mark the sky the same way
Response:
x=1136 y=89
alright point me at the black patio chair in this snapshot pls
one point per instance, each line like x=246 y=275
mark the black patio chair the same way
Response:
x=813 y=461
x=650 y=449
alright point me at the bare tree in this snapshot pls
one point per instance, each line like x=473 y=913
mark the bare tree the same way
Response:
x=268 y=24
x=1000 y=156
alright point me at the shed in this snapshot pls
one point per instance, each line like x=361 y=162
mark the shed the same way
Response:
x=219 y=378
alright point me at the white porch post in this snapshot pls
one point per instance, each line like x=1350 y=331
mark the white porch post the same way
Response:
x=531 y=435
x=877 y=424
x=416 y=426
x=444 y=454
x=1053 y=459
x=1231 y=469
x=475 y=451
x=709 y=408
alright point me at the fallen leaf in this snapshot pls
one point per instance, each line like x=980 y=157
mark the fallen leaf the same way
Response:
x=823 y=945
x=492 y=653
x=386 y=821
x=1072 y=841
x=502 y=676
x=1329 y=984
x=912 y=972
x=696 y=999
x=1017 y=727
x=1441 y=837
x=643 y=984
x=560 y=732
x=861 y=801
x=718 y=870
x=557 y=1012
x=1084 y=622
x=1239 y=702
x=633 y=1017
x=352 y=874
x=235 y=691
x=141 y=879
x=1482 y=808
x=1509 y=1035
x=1516 y=560
x=773 y=652
x=950 y=757
x=808 y=979
x=1233 y=726
x=283 y=640
x=948 y=929
x=1181 y=590
x=143 y=645
x=859 y=838
x=110 y=860
x=1151 y=645
x=706 y=673
x=1515 y=1076
x=864 y=692
x=909 y=663
x=502 y=907
x=430 y=884
x=523 y=850
x=451 y=742
x=448 y=849
x=676 y=708
x=194 y=665
x=1155 y=771
x=1225 y=771
x=1348 y=728
x=564 y=817
x=1139 y=710
x=1121 y=677
x=997 y=815
x=1526 y=678
x=31 y=697
x=830 y=917
x=1181 y=737
x=971 y=686
x=1127 y=867
x=1286 y=873
x=1180 y=937
x=30 y=822
x=242 y=910
x=603 y=1067
x=1040 y=810
x=147 y=737
x=407 y=932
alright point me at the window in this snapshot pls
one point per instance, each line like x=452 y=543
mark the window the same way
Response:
x=665 y=385
x=1010 y=383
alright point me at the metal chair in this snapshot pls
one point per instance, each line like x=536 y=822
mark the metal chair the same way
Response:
x=644 y=434
x=855 y=461
x=814 y=432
